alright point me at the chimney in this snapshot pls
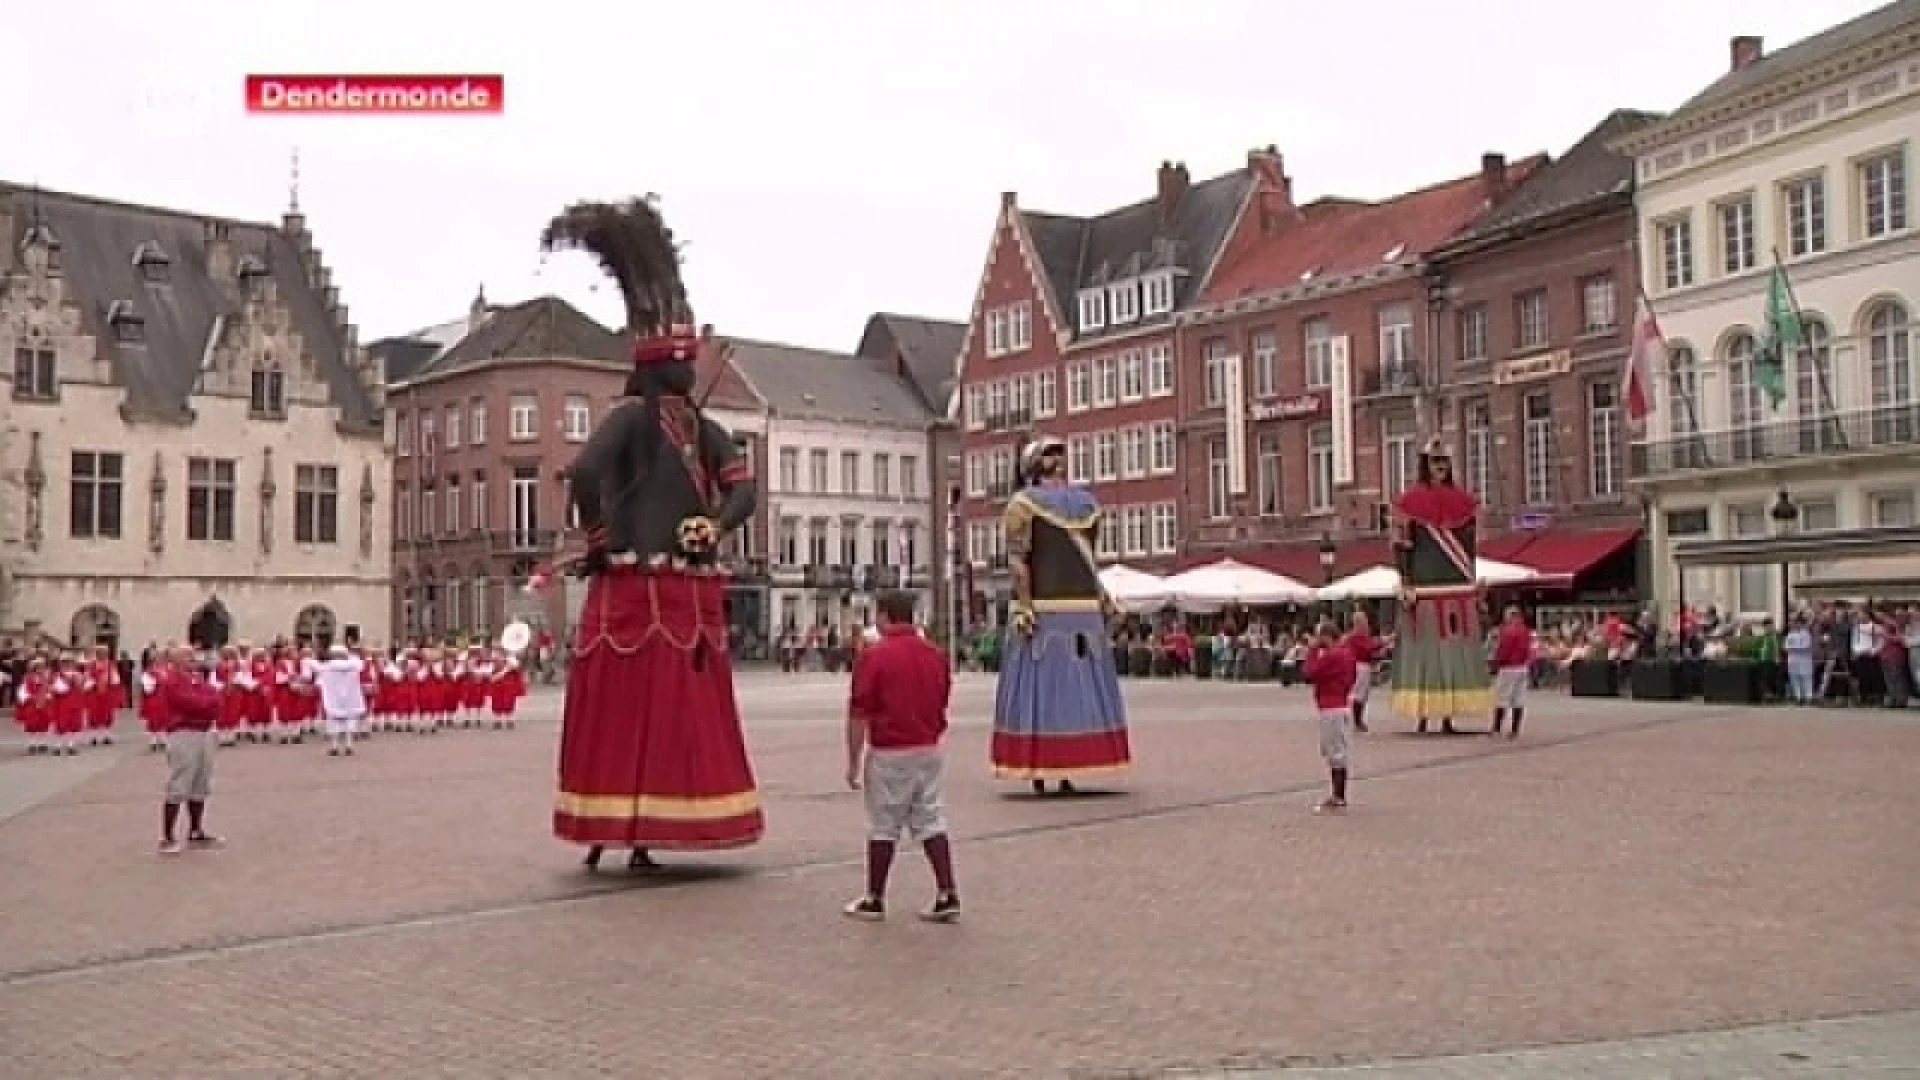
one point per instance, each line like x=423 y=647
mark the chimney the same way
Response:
x=1744 y=51
x=219 y=238
x=1009 y=199
x=1275 y=204
x=1493 y=174
x=1174 y=180
x=477 y=311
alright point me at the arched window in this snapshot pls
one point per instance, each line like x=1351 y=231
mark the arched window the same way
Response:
x=96 y=626
x=314 y=627
x=1896 y=418
x=1746 y=400
x=1683 y=391
x=1813 y=390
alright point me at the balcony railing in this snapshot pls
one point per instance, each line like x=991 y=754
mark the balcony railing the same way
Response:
x=1883 y=429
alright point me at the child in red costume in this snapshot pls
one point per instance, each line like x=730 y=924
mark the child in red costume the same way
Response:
x=505 y=689
x=33 y=705
x=153 y=709
x=229 y=675
x=104 y=696
x=70 y=704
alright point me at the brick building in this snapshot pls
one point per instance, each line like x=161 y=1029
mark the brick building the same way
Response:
x=487 y=412
x=1073 y=334
x=1538 y=310
x=1311 y=353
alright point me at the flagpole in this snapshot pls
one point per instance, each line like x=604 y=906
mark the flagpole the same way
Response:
x=1686 y=392
x=1828 y=412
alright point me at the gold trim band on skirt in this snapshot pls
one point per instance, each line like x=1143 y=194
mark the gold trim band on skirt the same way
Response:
x=1061 y=604
x=662 y=807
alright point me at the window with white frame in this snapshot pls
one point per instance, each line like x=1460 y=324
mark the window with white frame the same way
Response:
x=818 y=541
x=1753 y=585
x=1161 y=452
x=1683 y=391
x=909 y=476
x=980 y=542
x=1106 y=456
x=523 y=417
x=997 y=404
x=1106 y=381
x=1157 y=292
x=457 y=502
x=1213 y=366
x=1736 y=235
x=1746 y=401
x=1093 y=309
x=1267 y=473
x=577 y=418
x=482 y=503
x=1218 y=505
x=999 y=341
x=1477 y=423
x=1319 y=468
x=1266 y=363
x=976 y=407
x=883 y=475
x=1536 y=433
x=1398 y=456
x=1396 y=339
x=1530 y=312
x=1123 y=303
x=1599 y=304
x=1893 y=510
x=817 y=471
x=1160 y=370
x=1080 y=458
x=1890 y=373
x=1020 y=401
x=1079 y=387
x=1136 y=539
x=1883 y=194
x=1020 y=327
x=787 y=544
x=1166 y=528
x=1813 y=382
x=1804 y=204
x=1133 y=376
x=477 y=422
x=1317 y=352
x=789 y=469
x=452 y=427
x=1045 y=395
x=1606 y=471
x=1001 y=472
x=1473 y=334
x=1133 y=453
x=850 y=472
x=1673 y=240
x=1106 y=537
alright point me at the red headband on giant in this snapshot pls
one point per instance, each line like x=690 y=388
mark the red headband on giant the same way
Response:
x=678 y=345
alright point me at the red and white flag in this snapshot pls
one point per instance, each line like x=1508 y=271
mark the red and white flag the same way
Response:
x=1649 y=355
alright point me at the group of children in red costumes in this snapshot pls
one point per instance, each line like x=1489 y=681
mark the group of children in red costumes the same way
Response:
x=66 y=702
x=267 y=695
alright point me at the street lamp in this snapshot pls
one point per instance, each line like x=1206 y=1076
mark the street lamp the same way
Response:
x=1785 y=516
x=1329 y=553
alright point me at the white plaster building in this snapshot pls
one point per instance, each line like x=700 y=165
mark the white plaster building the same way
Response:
x=189 y=432
x=848 y=483
x=1807 y=152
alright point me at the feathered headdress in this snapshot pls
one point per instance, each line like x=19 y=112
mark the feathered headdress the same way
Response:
x=636 y=249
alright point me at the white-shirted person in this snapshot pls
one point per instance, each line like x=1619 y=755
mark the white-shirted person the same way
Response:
x=341 y=699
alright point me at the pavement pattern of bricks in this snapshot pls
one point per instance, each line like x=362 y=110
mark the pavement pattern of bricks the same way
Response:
x=1625 y=870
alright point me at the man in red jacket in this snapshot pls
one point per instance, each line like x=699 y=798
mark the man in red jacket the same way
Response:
x=191 y=706
x=1512 y=662
x=1331 y=670
x=896 y=716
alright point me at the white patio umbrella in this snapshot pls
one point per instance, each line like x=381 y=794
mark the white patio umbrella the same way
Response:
x=1374 y=583
x=1216 y=585
x=1134 y=591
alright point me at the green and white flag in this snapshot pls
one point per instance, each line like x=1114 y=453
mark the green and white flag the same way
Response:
x=1784 y=338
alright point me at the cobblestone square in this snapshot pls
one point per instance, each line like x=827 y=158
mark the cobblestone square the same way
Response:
x=1624 y=870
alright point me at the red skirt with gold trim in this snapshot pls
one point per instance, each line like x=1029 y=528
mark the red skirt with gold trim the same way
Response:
x=651 y=751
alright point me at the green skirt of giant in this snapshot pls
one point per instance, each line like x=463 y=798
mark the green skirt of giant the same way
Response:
x=1440 y=671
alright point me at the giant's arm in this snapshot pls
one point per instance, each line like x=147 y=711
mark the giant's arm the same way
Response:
x=593 y=474
x=1017 y=521
x=733 y=474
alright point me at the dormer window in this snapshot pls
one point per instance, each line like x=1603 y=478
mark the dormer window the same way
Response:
x=128 y=326
x=1123 y=303
x=1157 y=292
x=1093 y=309
x=267 y=393
x=250 y=273
x=41 y=245
x=152 y=263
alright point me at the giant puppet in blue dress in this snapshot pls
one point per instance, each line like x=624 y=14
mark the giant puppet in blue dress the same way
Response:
x=1058 y=714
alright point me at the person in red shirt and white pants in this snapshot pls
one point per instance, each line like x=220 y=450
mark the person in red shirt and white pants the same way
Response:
x=896 y=717
x=1512 y=665
x=1332 y=671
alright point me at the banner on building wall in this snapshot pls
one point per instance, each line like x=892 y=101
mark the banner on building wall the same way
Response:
x=1340 y=407
x=1233 y=374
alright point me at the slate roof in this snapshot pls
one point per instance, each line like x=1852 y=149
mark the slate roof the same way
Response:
x=796 y=381
x=1589 y=174
x=1334 y=237
x=98 y=239
x=1806 y=53
x=930 y=349
x=1080 y=252
x=540 y=329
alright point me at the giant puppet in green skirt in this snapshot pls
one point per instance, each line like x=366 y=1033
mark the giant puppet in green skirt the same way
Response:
x=1439 y=653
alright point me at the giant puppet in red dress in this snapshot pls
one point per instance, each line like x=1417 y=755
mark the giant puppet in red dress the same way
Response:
x=1439 y=652
x=651 y=752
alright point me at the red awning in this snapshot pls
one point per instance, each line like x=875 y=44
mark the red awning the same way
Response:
x=1561 y=554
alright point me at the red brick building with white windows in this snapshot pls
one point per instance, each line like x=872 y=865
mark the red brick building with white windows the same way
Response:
x=1325 y=311
x=1073 y=334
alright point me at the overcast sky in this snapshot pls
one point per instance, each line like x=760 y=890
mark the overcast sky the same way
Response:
x=823 y=160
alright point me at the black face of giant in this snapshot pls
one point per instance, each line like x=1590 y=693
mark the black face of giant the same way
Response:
x=666 y=378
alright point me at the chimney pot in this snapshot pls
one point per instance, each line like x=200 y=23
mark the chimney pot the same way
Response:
x=1173 y=182
x=1744 y=50
x=1493 y=174
x=1008 y=199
